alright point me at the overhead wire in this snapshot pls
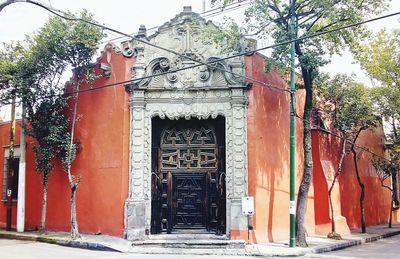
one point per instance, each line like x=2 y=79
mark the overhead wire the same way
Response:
x=351 y=142
x=206 y=14
x=54 y=11
x=265 y=48
x=201 y=63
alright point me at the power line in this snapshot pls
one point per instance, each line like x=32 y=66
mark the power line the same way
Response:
x=364 y=148
x=208 y=64
x=206 y=14
x=275 y=45
x=54 y=11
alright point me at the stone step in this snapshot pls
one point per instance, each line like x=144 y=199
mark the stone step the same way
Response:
x=186 y=236
x=185 y=251
x=191 y=243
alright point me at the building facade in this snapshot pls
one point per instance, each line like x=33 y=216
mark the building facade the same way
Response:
x=178 y=144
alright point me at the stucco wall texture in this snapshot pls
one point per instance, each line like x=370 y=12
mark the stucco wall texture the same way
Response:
x=103 y=160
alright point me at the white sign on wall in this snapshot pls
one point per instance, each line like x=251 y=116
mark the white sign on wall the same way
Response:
x=248 y=205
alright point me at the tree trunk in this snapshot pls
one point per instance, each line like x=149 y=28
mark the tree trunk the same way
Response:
x=71 y=179
x=44 y=205
x=308 y=163
x=395 y=196
x=74 y=222
x=391 y=212
x=333 y=184
x=362 y=187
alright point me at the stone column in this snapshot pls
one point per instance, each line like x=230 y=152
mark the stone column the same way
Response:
x=237 y=159
x=135 y=205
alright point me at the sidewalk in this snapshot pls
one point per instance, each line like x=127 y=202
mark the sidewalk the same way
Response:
x=321 y=244
x=317 y=244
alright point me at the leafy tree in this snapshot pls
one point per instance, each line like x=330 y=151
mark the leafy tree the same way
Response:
x=75 y=43
x=272 y=18
x=10 y=57
x=48 y=125
x=59 y=45
x=380 y=58
x=385 y=169
x=350 y=108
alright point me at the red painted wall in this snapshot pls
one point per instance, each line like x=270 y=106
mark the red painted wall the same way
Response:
x=268 y=152
x=377 y=199
x=102 y=161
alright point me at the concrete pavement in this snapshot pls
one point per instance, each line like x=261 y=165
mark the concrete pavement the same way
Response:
x=317 y=244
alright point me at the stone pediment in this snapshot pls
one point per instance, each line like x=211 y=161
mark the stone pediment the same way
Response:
x=186 y=38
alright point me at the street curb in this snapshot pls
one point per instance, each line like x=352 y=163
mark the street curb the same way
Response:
x=79 y=243
x=58 y=241
x=353 y=242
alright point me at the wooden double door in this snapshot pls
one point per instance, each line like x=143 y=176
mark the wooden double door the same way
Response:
x=188 y=179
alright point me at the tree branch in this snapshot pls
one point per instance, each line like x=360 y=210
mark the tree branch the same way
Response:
x=329 y=25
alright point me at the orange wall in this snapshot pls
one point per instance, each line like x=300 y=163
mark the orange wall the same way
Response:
x=102 y=161
x=325 y=147
x=268 y=152
x=377 y=199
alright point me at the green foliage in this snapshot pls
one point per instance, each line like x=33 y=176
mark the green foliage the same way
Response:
x=229 y=39
x=49 y=126
x=271 y=18
x=348 y=103
x=10 y=67
x=385 y=168
x=58 y=45
x=35 y=73
x=387 y=102
x=69 y=42
x=380 y=58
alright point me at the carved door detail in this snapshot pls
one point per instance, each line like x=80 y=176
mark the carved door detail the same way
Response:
x=188 y=200
x=188 y=189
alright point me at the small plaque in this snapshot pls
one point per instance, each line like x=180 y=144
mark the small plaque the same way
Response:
x=292 y=207
x=248 y=205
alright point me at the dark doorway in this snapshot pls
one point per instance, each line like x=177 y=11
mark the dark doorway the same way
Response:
x=188 y=175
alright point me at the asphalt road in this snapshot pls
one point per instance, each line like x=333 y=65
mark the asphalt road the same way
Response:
x=15 y=249
x=388 y=248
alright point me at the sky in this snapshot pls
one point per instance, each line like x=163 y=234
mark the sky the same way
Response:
x=20 y=19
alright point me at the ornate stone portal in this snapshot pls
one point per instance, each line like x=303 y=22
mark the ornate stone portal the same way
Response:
x=181 y=92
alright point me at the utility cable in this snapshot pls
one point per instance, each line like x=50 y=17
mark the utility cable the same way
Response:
x=364 y=148
x=55 y=11
x=200 y=63
x=206 y=14
x=268 y=47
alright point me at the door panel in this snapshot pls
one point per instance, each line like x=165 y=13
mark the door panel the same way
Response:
x=188 y=200
x=187 y=181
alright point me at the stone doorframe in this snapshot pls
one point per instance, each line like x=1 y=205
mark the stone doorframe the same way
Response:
x=168 y=85
x=229 y=103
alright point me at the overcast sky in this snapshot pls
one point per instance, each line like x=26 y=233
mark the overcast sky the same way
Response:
x=20 y=19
